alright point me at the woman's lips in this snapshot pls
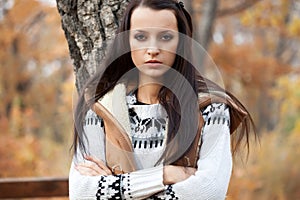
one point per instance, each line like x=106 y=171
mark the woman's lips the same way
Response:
x=154 y=62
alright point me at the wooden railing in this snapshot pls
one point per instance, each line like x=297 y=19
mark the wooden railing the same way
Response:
x=33 y=187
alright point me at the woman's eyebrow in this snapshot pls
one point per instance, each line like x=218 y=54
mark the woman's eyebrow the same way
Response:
x=140 y=30
x=166 y=31
x=147 y=31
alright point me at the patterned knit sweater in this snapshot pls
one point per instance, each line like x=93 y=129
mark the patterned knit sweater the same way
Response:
x=148 y=125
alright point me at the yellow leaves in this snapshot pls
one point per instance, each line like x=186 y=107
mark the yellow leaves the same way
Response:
x=34 y=102
x=26 y=154
x=269 y=171
x=265 y=13
x=247 y=19
x=296 y=130
x=274 y=167
x=276 y=20
x=272 y=171
x=273 y=14
x=294 y=27
x=285 y=6
x=287 y=92
x=16 y=117
x=18 y=155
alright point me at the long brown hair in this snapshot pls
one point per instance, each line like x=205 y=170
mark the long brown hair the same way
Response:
x=114 y=68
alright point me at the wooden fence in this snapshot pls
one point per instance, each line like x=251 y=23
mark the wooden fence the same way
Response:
x=33 y=187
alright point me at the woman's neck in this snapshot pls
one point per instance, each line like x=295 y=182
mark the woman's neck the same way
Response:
x=148 y=91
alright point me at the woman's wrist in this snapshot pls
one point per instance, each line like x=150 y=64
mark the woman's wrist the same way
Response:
x=166 y=175
x=174 y=174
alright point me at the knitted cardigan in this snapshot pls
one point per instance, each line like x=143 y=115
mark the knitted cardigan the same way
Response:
x=147 y=125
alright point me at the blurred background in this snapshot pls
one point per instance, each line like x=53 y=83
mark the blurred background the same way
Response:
x=255 y=45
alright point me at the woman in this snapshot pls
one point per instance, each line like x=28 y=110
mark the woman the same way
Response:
x=148 y=125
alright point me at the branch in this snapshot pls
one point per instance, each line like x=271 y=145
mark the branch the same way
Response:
x=238 y=8
x=39 y=16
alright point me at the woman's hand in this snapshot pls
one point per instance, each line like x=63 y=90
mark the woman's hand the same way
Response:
x=174 y=174
x=95 y=167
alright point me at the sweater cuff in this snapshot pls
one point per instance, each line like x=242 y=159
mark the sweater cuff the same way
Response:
x=143 y=183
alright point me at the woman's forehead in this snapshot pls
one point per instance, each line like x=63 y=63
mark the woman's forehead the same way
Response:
x=145 y=18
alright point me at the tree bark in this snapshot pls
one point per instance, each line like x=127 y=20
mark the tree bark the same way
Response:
x=87 y=24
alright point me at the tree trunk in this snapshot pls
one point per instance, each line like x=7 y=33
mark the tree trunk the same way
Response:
x=205 y=29
x=207 y=22
x=87 y=24
x=283 y=40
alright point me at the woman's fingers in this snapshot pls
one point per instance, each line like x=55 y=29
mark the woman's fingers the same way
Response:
x=100 y=163
x=93 y=168
x=89 y=169
x=85 y=171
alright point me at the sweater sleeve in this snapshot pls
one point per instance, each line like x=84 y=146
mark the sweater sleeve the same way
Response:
x=136 y=185
x=212 y=177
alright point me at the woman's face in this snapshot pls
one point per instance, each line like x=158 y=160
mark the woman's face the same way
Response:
x=153 y=40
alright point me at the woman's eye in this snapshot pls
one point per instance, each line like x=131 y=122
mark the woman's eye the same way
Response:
x=140 y=37
x=166 y=37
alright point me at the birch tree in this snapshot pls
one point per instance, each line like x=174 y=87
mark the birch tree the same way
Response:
x=87 y=24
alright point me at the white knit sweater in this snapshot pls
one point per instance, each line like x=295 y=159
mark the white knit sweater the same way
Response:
x=148 y=130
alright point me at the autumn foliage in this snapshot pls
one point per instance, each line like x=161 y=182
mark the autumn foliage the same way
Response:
x=257 y=56
x=36 y=86
x=255 y=50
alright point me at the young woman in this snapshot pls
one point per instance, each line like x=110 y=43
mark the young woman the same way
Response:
x=148 y=125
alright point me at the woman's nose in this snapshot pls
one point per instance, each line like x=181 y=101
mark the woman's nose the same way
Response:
x=153 y=51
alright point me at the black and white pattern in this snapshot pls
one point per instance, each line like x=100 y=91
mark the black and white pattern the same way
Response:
x=131 y=99
x=119 y=187
x=146 y=132
x=126 y=186
x=141 y=126
x=92 y=119
x=168 y=194
x=216 y=114
x=109 y=187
